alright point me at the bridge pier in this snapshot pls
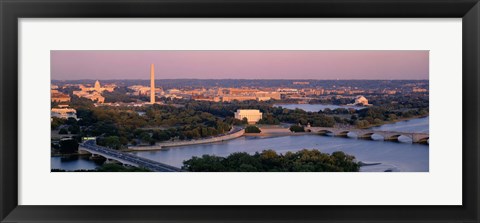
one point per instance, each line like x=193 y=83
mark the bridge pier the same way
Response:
x=342 y=134
x=333 y=133
x=391 y=139
x=365 y=136
x=112 y=161
x=420 y=138
x=323 y=132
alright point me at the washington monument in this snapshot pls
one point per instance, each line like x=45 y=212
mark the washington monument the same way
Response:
x=152 y=83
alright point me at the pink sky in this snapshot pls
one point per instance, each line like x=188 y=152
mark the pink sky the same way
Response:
x=317 y=64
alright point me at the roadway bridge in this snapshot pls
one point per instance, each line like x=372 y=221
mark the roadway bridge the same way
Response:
x=90 y=146
x=367 y=134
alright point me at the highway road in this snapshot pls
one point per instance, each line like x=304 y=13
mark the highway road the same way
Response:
x=121 y=156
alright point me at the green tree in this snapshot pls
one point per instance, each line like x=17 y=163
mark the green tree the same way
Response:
x=63 y=131
x=206 y=163
x=252 y=129
x=74 y=129
x=112 y=142
x=145 y=137
x=362 y=123
x=296 y=128
x=56 y=122
x=68 y=146
x=270 y=161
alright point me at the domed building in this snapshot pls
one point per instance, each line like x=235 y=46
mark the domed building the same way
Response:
x=97 y=86
x=360 y=100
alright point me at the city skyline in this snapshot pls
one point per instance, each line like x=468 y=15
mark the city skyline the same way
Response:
x=295 y=65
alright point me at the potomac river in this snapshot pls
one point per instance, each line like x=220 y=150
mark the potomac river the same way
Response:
x=392 y=156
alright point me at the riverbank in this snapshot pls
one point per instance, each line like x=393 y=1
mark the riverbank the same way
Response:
x=276 y=131
x=163 y=145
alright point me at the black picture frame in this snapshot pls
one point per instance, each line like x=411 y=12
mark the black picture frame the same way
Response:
x=12 y=10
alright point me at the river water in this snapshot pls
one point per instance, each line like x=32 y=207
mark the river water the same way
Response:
x=73 y=163
x=392 y=156
x=418 y=125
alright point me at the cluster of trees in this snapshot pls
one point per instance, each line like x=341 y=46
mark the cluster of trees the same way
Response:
x=377 y=115
x=119 y=126
x=271 y=115
x=301 y=117
x=252 y=129
x=65 y=126
x=368 y=116
x=270 y=161
x=396 y=101
x=400 y=102
x=119 y=95
x=66 y=146
x=297 y=128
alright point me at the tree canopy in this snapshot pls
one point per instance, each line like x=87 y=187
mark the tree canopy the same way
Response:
x=270 y=161
x=252 y=129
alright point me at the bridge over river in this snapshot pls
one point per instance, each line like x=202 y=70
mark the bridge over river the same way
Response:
x=90 y=146
x=367 y=134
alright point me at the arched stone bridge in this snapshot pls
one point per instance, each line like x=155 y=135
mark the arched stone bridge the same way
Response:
x=367 y=134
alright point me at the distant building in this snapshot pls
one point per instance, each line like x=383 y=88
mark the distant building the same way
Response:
x=64 y=113
x=140 y=90
x=270 y=95
x=301 y=83
x=361 y=100
x=252 y=115
x=94 y=93
x=288 y=90
x=419 y=90
x=241 y=91
x=228 y=98
x=263 y=98
x=57 y=96
x=390 y=92
x=94 y=96
x=98 y=87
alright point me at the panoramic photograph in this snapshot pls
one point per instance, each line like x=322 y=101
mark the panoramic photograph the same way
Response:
x=239 y=110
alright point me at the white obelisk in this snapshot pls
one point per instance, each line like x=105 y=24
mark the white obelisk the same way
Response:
x=152 y=83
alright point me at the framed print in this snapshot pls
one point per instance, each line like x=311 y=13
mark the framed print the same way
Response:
x=204 y=111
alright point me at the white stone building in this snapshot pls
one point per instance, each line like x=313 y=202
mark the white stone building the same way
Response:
x=361 y=100
x=252 y=115
x=64 y=113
